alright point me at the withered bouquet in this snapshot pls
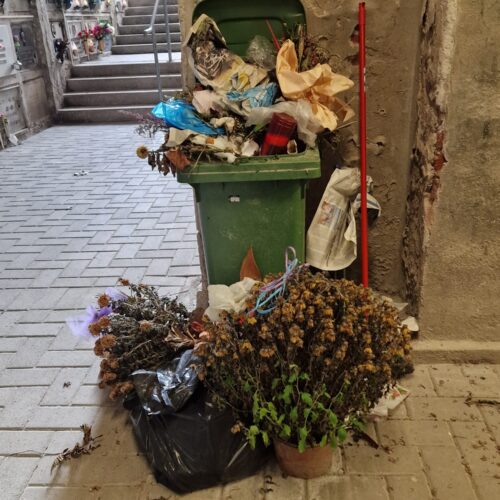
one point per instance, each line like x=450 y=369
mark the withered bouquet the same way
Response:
x=140 y=330
x=328 y=346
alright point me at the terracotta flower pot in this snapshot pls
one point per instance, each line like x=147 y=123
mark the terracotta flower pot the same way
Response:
x=313 y=462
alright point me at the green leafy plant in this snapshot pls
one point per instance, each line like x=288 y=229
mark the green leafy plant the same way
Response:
x=296 y=415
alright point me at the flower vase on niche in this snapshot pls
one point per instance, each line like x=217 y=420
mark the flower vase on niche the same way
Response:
x=86 y=47
x=100 y=45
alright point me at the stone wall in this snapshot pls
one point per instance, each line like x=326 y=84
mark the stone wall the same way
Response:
x=35 y=91
x=457 y=292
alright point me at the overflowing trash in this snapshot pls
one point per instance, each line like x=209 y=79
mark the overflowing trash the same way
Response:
x=273 y=102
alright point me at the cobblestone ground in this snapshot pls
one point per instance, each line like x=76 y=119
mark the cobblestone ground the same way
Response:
x=64 y=238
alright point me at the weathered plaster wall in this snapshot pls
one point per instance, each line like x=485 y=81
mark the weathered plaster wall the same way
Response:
x=392 y=46
x=460 y=284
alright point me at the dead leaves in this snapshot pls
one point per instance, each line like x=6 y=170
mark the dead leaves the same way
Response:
x=89 y=444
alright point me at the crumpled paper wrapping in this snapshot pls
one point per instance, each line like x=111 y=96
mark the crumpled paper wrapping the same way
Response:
x=319 y=86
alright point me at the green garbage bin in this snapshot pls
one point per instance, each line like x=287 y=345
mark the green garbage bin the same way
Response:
x=260 y=201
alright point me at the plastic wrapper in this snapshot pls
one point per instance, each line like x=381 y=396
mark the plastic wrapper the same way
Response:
x=262 y=52
x=167 y=390
x=194 y=448
x=182 y=115
x=257 y=97
x=228 y=298
x=214 y=65
x=308 y=126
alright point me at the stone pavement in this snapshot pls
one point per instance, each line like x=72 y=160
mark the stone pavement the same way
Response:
x=64 y=238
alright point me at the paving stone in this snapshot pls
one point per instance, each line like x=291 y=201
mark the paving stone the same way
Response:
x=31 y=353
x=282 y=488
x=416 y=432
x=24 y=442
x=419 y=382
x=478 y=447
x=440 y=408
x=413 y=487
x=66 y=358
x=251 y=488
x=491 y=416
x=15 y=473
x=449 y=380
x=62 y=417
x=487 y=488
x=397 y=460
x=483 y=381
x=347 y=488
x=446 y=474
x=16 y=377
x=57 y=493
x=65 y=386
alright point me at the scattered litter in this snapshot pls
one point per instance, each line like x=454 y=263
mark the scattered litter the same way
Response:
x=469 y=401
x=66 y=384
x=411 y=324
x=13 y=140
x=228 y=298
x=81 y=173
x=331 y=238
x=318 y=85
x=214 y=65
x=182 y=115
x=89 y=444
x=389 y=402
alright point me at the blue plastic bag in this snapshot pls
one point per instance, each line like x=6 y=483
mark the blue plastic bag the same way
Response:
x=182 y=115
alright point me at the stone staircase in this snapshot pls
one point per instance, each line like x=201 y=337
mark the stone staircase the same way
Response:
x=131 y=38
x=102 y=91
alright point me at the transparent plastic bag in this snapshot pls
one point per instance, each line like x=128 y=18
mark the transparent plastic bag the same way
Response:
x=167 y=390
x=262 y=52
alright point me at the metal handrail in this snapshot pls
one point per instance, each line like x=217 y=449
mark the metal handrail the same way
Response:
x=152 y=30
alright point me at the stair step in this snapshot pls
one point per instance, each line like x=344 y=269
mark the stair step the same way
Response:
x=143 y=48
x=124 y=69
x=138 y=29
x=139 y=3
x=111 y=83
x=120 y=98
x=148 y=10
x=174 y=18
x=109 y=114
x=144 y=38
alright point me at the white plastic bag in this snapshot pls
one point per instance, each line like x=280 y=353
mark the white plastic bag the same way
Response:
x=228 y=298
x=308 y=126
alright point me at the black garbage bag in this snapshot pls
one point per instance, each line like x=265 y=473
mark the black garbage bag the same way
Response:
x=186 y=437
x=167 y=390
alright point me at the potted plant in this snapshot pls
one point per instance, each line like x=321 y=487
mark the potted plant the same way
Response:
x=303 y=372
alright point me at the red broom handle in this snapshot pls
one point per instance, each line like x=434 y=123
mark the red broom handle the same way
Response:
x=362 y=139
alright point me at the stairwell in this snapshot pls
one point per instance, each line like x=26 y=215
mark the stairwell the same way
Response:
x=126 y=81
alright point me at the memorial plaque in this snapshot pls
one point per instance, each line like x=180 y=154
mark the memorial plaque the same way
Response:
x=24 y=43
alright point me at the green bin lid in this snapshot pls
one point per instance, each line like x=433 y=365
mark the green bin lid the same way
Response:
x=304 y=165
x=240 y=21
